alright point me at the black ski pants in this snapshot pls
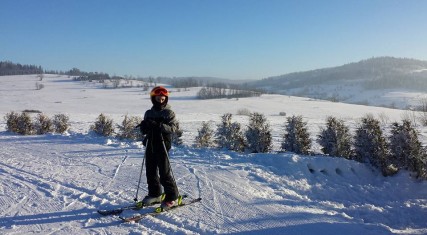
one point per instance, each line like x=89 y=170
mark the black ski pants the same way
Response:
x=159 y=174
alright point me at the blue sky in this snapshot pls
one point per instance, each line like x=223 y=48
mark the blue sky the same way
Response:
x=236 y=39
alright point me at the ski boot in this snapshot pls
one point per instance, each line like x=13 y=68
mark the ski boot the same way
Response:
x=167 y=205
x=149 y=200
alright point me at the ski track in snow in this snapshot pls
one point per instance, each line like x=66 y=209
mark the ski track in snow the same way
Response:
x=116 y=172
x=61 y=189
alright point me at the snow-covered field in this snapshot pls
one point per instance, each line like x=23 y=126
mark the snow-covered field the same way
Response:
x=53 y=184
x=355 y=93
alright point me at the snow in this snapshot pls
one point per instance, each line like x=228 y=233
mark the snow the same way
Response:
x=355 y=93
x=53 y=184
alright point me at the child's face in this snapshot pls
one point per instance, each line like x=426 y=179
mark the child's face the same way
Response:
x=160 y=98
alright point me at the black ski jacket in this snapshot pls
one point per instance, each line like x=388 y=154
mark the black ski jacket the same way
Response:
x=168 y=124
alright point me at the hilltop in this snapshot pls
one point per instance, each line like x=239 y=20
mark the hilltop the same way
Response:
x=381 y=81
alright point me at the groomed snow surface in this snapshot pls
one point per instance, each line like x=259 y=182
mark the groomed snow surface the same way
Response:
x=53 y=184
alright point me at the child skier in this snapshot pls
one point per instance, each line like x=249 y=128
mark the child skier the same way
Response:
x=158 y=125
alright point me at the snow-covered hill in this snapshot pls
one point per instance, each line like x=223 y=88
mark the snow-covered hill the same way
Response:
x=382 y=81
x=53 y=184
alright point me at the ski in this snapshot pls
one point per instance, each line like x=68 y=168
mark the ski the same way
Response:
x=157 y=211
x=137 y=206
x=119 y=210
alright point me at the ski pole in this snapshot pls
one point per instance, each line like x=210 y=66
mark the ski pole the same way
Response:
x=140 y=174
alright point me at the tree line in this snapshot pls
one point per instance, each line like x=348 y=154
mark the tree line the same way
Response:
x=374 y=73
x=9 y=68
x=210 y=92
x=400 y=150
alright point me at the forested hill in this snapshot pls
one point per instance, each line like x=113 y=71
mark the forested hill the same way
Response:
x=374 y=73
x=9 y=68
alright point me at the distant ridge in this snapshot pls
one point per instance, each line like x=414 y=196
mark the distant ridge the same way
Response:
x=365 y=82
x=377 y=68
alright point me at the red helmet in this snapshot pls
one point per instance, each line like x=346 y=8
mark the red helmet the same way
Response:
x=159 y=90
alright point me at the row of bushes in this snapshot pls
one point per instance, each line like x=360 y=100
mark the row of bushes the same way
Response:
x=400 y=150
x=24 y=124
x=42 y=124
x=104 y=126
x=218 y=92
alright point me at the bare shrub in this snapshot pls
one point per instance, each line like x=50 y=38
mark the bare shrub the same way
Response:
x=384 y=119
x=423 y=111
x=115 y=83
x=244 y=112
x=39 y=86
x=410 y=115
x=423 y=119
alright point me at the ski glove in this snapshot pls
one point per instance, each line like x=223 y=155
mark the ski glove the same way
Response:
x=145 y=126
x=150 y=125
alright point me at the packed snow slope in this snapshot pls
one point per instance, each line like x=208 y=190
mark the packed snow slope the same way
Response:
x=53 y=184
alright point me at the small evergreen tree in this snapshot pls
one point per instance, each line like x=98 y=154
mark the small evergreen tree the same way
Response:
x=229 y=135
x=406 y=149
x=205 y=136
x=296 y=138
x=238 y=140
x=103 y=126
x=258 y=134
x=12 y=121
x=60 y=123
x=335 y=139
x=127 y=128
x=25 y=125
x=371 y=146
x=43 y=124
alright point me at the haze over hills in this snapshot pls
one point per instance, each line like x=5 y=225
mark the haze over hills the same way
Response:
x=382 y=81
x=370 y=69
